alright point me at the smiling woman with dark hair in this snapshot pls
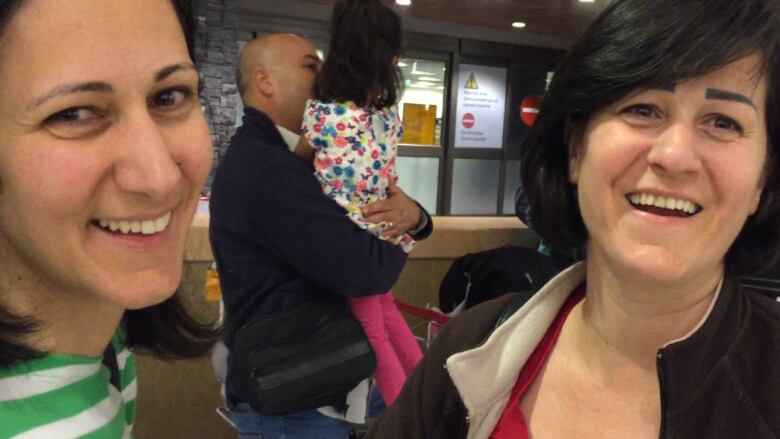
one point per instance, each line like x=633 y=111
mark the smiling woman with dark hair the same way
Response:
x=656 y=148
x=104 y=150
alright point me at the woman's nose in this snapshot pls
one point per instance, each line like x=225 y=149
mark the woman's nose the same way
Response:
x=146 y=164
x=675 y=151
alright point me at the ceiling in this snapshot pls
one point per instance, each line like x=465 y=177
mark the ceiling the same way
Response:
x=558 y=18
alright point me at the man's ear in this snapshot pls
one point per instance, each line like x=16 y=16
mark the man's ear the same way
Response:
x=572 y=136
x=262 y=81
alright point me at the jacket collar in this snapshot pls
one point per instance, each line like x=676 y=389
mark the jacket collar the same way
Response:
x=687 y=363
x=256 y=122
x=503 y=354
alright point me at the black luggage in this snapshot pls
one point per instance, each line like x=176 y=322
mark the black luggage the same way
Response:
x=766 y=282
x=477 y=277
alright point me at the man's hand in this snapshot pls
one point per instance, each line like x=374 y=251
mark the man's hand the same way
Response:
x=400 y=212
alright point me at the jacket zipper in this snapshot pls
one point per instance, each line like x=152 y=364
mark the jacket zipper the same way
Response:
x=464 y=432
x=662 y=387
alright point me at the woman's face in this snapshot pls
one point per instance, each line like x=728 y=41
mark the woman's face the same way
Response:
x=667 y=177
x=103 y=150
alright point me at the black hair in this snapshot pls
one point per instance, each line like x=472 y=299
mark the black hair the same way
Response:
x=165 y=330
x=635 y=44
x=365 y=35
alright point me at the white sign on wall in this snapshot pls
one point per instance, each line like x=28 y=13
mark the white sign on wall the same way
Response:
x=480 y=108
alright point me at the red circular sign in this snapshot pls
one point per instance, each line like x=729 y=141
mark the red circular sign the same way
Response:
x=468 y=120
x=529 y=108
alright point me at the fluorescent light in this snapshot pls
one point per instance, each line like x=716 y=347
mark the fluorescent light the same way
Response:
x=417 y=72
x=587 y=1
x=402 y=64
x=403 y=2
x=428 y=79
x=518 y=24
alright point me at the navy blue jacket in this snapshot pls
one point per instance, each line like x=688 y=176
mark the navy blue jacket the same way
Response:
x=278 y=240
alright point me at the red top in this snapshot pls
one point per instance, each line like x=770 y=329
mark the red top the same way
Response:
x=512 y=424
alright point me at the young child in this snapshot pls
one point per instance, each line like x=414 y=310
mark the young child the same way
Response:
x=351 y=131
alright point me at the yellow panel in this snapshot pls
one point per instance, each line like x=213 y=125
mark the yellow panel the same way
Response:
x=419 y=124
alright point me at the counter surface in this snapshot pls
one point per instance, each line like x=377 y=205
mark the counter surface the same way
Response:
x=452 y=236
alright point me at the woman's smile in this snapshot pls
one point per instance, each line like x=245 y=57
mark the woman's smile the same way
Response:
x=135 y=226
x=663 y=205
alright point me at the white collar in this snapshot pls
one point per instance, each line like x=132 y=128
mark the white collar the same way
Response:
x=290 y=138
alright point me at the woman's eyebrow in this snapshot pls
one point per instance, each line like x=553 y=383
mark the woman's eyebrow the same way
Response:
x=102 y=87
x=67 y=89
x=725 y=95
x=170 y=70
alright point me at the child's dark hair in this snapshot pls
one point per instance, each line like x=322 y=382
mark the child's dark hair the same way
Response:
x=365 y=38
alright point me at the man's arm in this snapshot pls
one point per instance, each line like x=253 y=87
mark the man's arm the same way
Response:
x=403 y=214
x=312 y=233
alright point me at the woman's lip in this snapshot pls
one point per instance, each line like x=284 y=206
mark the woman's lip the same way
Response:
x=650 y=219
x=662 y=212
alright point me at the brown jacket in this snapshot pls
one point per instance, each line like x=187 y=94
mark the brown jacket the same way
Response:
x=723 y=381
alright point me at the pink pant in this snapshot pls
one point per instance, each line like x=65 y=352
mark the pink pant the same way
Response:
x=396 y=349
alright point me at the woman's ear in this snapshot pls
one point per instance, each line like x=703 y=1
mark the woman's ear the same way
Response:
x=768 y=176
x=572 y=136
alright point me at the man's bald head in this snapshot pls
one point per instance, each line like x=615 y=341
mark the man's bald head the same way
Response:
x=275 y=75
x=260 y=53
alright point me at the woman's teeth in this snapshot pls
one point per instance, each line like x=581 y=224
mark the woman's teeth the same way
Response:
x=642 y=199
x=144 y=227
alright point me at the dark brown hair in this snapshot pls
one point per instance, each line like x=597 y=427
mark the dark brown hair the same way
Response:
x=365 y=36
x=165 y=330
x=636 y=44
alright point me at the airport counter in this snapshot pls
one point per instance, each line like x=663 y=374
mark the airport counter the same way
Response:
x=178 y=399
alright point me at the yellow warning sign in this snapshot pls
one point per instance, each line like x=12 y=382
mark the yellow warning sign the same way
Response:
x=472 y=82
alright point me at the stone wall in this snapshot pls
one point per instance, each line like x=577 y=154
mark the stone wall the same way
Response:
x=216 y=50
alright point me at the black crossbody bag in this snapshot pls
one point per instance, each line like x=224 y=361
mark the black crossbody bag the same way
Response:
x=301 y=359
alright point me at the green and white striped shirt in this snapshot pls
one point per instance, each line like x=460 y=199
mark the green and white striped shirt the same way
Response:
x=60 y=396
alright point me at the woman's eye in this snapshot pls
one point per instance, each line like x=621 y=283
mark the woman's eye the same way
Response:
x=71 y=116
x=171 y=97
x=726 y=124
x=640 y=110
x=723 y=128
x=77 y=122
x=641 y=115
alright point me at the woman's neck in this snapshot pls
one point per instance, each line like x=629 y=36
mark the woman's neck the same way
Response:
x=623 y=323
x=67 y=323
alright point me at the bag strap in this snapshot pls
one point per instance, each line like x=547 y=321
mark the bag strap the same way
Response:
x=110 y=361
